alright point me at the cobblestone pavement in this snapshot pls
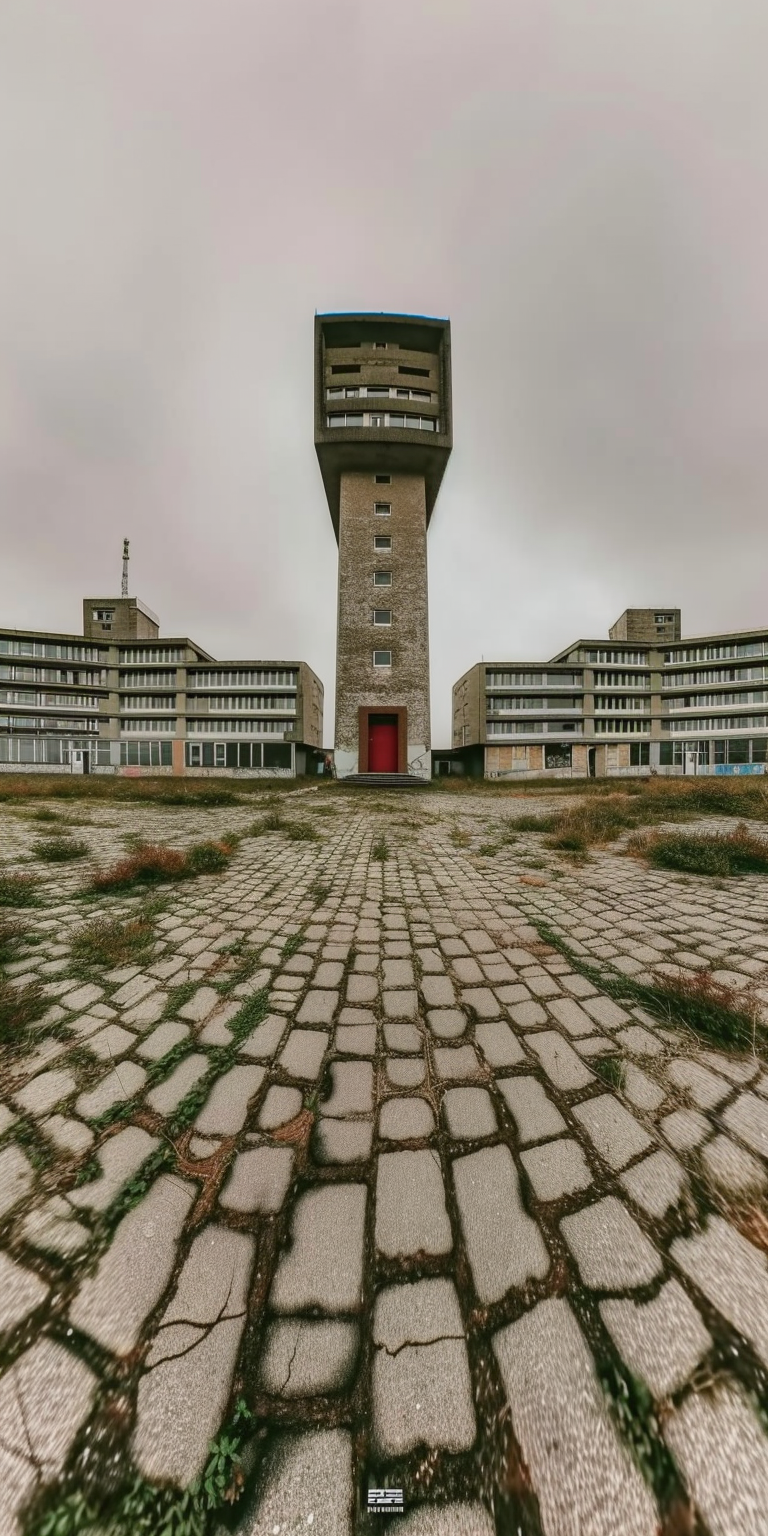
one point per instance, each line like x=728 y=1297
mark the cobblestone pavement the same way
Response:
x=359 y=1151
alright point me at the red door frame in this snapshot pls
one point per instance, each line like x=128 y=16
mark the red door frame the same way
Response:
x=402 y=733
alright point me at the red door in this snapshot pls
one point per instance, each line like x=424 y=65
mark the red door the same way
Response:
x=382 y=743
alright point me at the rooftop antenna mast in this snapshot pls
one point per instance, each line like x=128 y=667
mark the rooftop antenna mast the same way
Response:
x=125 y=568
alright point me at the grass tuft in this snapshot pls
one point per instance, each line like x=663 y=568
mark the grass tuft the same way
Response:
x=153 y=863
x=20 y=1007
x=13 y=937
x=18 y=890
x=732 y=853
x=61 y=850
x=112 y=942
x=380 y=851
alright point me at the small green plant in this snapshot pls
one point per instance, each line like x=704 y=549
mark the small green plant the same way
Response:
x=20 y=1007
x=733 y=853
x=18 y=890
x=61 y=850
x=319 y=892
x=610 y=1069
x=459 y=837
x=271 y=821
x=178 y=996
x=531 y=823
x=45 y=814
x=13 y=936
x=488 y=850
x=112 y=942
x=302 y=832
x=380 y=851
x=153 y=863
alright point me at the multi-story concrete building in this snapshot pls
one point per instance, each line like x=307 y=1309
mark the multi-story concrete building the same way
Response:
x=121 y=698
x=383 y=435
x=644 y=700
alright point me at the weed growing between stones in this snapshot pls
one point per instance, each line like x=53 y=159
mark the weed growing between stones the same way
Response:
x=111 y=942
x=302 y=832
x=610 y=1069
x=61 y=850
x=152 y=863
x=380 y=851
x=459 y=837
x=271 y=821
x=177 y=997
x=13 y=937
x=319 y=892
x=20 y=1007
x=532 y=823
x=136 y=1188
x=18 y=890
x=140 y=1508
x=220 y=1058
x=715 y=1013
x=292 y=944
x=733 y=853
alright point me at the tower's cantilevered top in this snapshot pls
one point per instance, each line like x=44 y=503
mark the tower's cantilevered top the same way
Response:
x=382 y=392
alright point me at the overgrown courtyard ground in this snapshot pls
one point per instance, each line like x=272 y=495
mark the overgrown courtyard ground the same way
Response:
x=407 y=1148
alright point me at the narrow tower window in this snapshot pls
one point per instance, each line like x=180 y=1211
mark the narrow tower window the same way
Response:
x=382 y=616
x=383 y=479
x=382 y=508
x=382 y=658
x=382 y=541
x=382 y=578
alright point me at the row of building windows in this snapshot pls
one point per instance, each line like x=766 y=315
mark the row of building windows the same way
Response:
x=639 y=706
x=716 y=700
x=51 y=649
x=45 y=749
x=720 y=723
x=256 y=677
x=13 y=674
x=742 y=749
x=238 y=754
x=622 y=680
x=700 y=679
x=164 y=701
x=377 y=391
x=168 y=726
x=48 y=700
x=532 y=679
x=532 y=727
x=618 y=658
x=245 y=702
x=146 y=679
x=498 y=704
x=383 y=419
x=622 y=727
x=151 y=654
x=240 y=727
x=146 y=754
x=716 y=652
x=46 y=723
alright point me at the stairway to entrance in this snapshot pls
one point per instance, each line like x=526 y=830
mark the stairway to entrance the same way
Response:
x=385 y=780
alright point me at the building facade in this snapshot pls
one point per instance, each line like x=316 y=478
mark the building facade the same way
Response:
x=383 y=434
x=121 y=699
x=643 y=701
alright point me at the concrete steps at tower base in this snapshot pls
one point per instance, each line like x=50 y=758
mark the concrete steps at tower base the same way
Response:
x=385 y=780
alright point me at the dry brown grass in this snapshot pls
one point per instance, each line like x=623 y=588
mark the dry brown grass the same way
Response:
x=152 y=864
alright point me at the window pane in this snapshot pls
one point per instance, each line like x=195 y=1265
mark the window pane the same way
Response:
x=277 y=754
x=382 y=541
x=382 y=578
x=382 y=658
x=382 y=616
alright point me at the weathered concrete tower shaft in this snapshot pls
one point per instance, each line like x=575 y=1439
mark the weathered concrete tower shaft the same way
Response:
x=383 y=433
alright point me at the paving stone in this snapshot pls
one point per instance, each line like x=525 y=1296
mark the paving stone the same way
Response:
x=51 y=1228
x=306 y=1478
x=302 y=1055
x=662 y=1341
x=405 y=1072
x=556 y=1169
x=400 y=1005
x=131 y=1276
x=168 y=1094
x=146 y=1012
x=705 y=1089
x=605 y=1012
x=616 y=1134
x=469 y=1112
x=611 y=1251
x=571 y=1016
x=656 y=1184
x=200 y=1005
x=459 y=1519
x=356 y=1039
x=120 y=1157
x=731 y=1168
x=362 y=989
x=259 y=1180
x=302 y=964
x=410 y=1205
x=162 y=1040
x=504 y=1245
x=21 y=1291
x=83 y=997
x=44 y=1091
x=318 y=1007
x=323 y=1267
x=446 y=1023
x=583 y=1476
x=639 y=1041
x=398 y=973
x=120 y=1084
x=70 y=1136
x=563 y=1067
x=720 y=1450
x=280 y=1106
x=402 y=1037
x=343 y=1141
x=535 y=1116
x=352 y=1089
x=406 y=1119
x=438 y=991
x=111 y=1042
x=302 y=1356
x=16 y=1178
x=732 y=1274
x=685 y=1128
x=357 y=1016
x=481 y=1001
x=184 y=1388
x=747 y=1118
x=456 y=1062
x=263 y=1041
x=527 y=1014
x=640 y=1089
x=499 y=1044
x=45 y=1398
x=421 y=1386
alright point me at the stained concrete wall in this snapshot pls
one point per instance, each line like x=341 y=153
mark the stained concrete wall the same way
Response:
x=358 y=683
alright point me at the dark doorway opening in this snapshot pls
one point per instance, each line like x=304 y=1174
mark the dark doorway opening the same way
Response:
x=382 y=743
x=591 y=761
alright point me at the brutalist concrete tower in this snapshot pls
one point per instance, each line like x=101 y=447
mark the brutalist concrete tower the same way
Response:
x=383 y=433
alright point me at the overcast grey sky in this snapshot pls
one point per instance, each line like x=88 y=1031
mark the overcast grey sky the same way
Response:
x=579 y=184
